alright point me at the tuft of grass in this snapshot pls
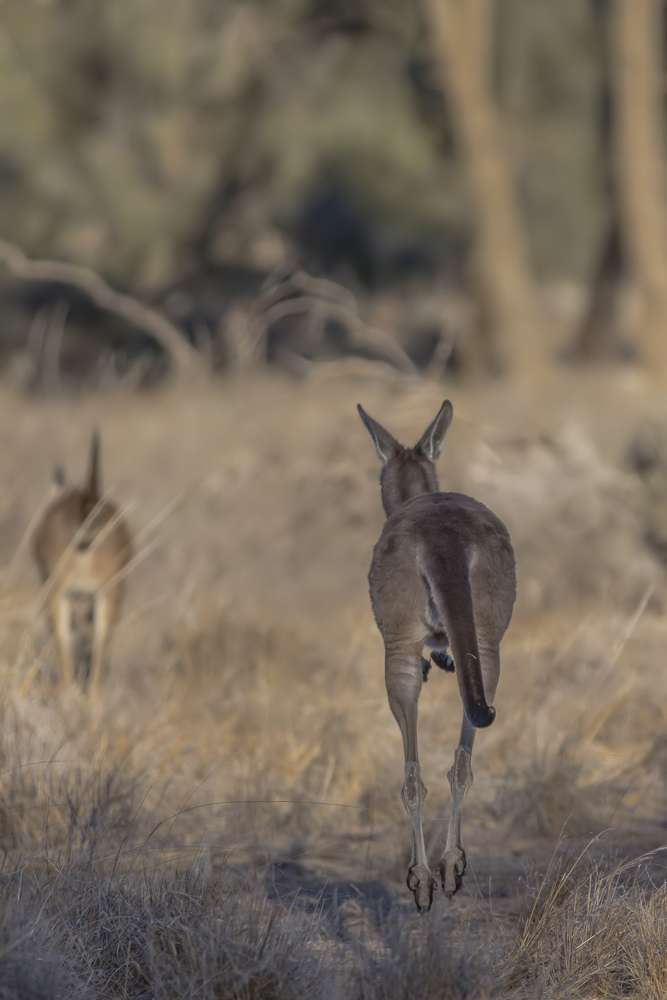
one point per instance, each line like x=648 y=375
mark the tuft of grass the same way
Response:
x=76 y=932
x=594 y=931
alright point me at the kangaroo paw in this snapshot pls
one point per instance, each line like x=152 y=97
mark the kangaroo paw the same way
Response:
x=426 y=668
x=443 y=660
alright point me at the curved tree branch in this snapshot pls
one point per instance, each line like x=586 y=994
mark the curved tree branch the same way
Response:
x=169 y=337
x=289 y=291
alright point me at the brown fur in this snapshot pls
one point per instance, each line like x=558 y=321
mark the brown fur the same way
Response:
x=81 y=546
x=442 y=573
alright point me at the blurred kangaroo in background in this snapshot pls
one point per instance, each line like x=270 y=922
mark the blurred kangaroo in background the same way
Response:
x=443 y=573
x=81 y=546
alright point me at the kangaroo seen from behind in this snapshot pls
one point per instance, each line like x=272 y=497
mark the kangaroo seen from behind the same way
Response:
x=81 y=546
x=443 y=575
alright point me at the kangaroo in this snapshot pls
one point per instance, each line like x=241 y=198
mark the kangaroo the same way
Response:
x=81 y=546
x=443 y=573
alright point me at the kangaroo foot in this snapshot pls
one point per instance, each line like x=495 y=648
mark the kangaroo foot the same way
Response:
x=426 y=668
x=443 y=660
x=451 y=869
x=421 y=884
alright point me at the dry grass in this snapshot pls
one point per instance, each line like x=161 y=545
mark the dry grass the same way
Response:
x=227 y=823
x=594 y=932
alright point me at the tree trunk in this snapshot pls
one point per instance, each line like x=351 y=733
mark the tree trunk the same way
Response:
x=597 y=335
x=461 y=32
x=636 y=73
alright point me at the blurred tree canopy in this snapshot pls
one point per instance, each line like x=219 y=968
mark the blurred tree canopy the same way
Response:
x=139 y=136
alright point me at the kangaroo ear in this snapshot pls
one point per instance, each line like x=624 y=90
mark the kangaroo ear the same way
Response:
x=433 y=438
x=385 y=443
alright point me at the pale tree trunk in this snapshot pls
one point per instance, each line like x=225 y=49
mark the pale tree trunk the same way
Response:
x=461 y=36
x=637 y=80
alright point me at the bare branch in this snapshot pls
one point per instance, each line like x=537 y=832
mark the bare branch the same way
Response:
x=322 y=300
x=289 y=279
x=168 y=336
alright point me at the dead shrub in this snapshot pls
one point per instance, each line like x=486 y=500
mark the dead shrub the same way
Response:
x=167 y=936
x=593 y=930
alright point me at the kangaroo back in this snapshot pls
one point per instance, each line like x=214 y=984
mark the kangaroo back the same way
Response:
x=91 y=491
x=448 y=585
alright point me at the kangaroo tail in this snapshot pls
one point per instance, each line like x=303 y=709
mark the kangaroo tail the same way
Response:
x=449 y=590
x=92 y=489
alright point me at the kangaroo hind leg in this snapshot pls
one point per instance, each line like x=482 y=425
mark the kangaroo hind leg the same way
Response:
x=105 y=608
x=452 y=864
x=403 y=675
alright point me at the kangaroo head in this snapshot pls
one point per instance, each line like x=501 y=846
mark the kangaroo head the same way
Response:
x=408 y=472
